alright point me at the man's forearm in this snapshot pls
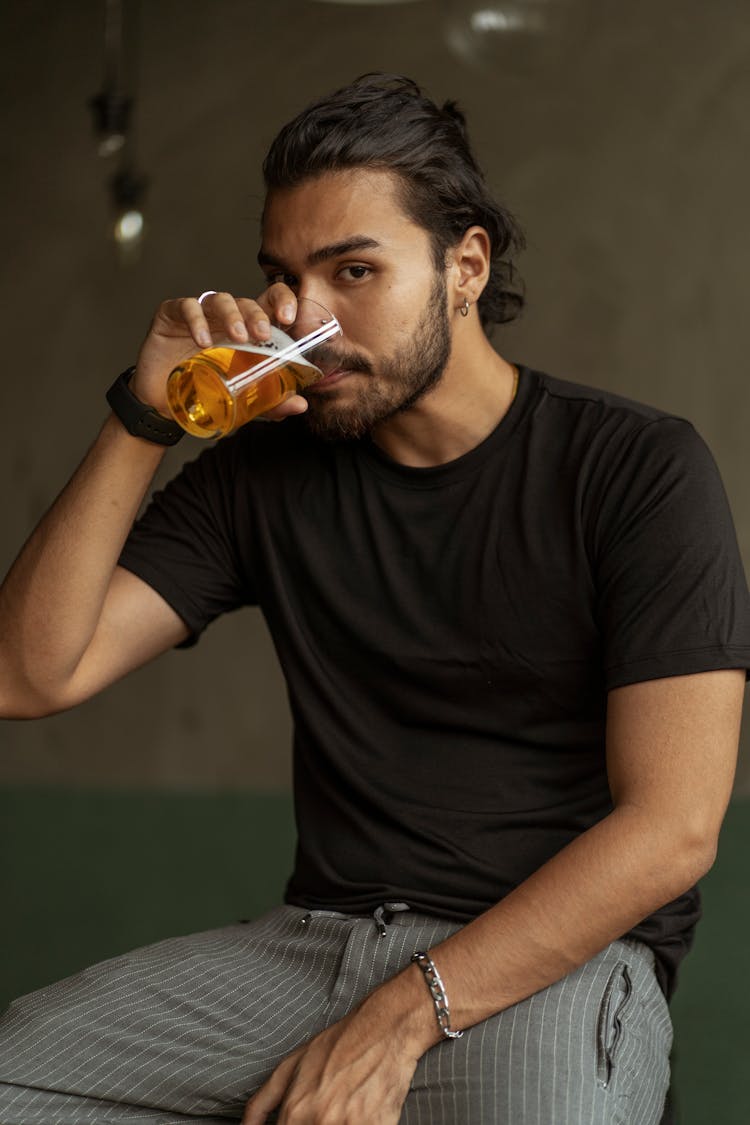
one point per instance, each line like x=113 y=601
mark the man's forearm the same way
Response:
x=52 y=598
x=592 y=892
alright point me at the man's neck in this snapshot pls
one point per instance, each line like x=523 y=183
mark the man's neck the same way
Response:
x=473 y=395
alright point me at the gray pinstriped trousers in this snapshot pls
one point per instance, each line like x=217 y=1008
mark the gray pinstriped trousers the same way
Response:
x=185 y=1030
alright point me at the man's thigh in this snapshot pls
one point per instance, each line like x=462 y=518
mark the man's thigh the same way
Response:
x=189 y=1026
x=192 y=1026
x=592 y=1049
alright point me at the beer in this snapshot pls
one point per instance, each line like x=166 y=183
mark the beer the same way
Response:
x=219 y=389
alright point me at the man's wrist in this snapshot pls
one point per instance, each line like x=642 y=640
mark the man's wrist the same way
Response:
x=438 y=995
x=403 y=1006
x=139 y=418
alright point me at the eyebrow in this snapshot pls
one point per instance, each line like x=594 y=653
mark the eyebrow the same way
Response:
x=325 y=253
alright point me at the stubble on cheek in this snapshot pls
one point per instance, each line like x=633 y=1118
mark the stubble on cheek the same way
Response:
x=346 y=414
x=390 y=384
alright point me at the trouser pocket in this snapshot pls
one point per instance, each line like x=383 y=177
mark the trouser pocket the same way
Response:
x=609 y=1024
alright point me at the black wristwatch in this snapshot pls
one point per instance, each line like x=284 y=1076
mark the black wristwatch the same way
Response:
x=137 y=418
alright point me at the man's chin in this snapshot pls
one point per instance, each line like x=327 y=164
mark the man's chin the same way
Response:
x=330 y=423
x=338 y=415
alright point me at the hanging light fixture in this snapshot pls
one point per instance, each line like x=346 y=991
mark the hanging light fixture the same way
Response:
x=111 y=119
x=128 y=192
x=112 y=108
x=488 y=31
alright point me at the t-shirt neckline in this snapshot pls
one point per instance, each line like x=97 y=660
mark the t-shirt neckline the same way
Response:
x=433 y=476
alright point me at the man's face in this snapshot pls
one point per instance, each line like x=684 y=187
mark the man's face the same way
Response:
x=343 y=240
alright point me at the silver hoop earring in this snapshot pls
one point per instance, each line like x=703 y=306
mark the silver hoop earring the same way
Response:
x=464 y=310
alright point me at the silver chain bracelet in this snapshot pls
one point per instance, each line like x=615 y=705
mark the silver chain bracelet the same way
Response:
x=437 y=992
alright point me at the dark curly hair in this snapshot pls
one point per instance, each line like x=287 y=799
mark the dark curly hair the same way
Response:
x=386 y=121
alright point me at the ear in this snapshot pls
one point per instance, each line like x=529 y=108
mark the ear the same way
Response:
x=469 y=266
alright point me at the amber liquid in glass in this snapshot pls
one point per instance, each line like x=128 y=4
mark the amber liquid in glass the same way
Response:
x=202 y=404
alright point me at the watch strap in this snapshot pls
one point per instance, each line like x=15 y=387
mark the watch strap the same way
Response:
x=139 y=419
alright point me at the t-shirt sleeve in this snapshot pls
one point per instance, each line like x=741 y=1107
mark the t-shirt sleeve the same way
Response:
x=672 y=597
x=185 y=544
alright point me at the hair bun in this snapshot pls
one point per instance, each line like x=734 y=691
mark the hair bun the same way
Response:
x=450 y=109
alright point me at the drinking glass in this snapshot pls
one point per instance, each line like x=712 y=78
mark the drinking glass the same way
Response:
x=216 y=391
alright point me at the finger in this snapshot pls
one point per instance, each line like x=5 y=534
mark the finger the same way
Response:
x=281 y=302
x=191 y=311
x=174 y=316
x=223 y=314
x=234 y=317
x=295 y=404
x=255 y=317
x=269 y=1096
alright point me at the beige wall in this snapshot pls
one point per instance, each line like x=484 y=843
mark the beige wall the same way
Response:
x=624 y=153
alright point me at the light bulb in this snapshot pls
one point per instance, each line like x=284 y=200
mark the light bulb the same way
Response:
x=128 y=227
x=487 y=32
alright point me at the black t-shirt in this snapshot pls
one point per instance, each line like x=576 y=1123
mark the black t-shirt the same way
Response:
x=449 y=634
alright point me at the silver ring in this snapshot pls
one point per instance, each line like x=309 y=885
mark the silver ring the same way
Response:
x=208 y=293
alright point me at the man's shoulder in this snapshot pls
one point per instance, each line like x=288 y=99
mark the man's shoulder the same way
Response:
x=589 y=416
x=614 y=446
x=567 y=393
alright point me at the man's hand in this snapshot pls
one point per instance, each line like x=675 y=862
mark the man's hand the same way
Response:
x=349 y=1072
x=183 y=326
x=360 y=1068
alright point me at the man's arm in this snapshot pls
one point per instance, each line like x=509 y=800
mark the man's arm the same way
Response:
x=71 y=620
x=671 y=755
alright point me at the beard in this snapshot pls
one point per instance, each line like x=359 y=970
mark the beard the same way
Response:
x=400 y=380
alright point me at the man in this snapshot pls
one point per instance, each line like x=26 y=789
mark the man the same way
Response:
x=514 y=625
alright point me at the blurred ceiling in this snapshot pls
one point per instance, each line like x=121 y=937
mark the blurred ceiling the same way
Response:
x=211 y=82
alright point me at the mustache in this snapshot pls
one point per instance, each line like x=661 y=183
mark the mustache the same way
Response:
x=329 y=359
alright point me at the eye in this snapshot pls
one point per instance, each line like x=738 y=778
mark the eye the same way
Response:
x=355 y=273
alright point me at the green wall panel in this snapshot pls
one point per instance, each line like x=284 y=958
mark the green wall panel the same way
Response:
x=87 y=875
x=710 y=1007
